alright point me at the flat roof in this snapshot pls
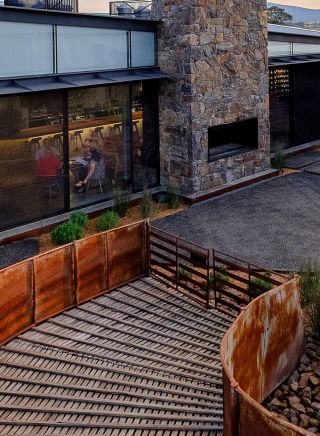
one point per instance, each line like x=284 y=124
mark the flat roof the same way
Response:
x=290 y=30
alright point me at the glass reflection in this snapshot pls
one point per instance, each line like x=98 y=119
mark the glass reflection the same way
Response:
x=31 y=148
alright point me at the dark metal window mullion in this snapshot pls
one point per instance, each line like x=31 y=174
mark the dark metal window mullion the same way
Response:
x=55 y=50
x=131 y=137
x=66 y=172
x=129 y=58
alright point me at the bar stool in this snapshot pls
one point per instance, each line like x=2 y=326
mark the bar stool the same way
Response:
x=98 y=131
x=116 y=129
x=76 y=139
x=57 y=141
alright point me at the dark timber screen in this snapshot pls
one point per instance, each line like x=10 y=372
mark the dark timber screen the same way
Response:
x=181 y=263
x=212 y=278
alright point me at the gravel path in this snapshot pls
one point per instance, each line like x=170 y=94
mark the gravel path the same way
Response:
x=274 y=224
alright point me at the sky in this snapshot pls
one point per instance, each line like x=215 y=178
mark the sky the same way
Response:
x=102 y=5
x=312 y=4
x=94 y=5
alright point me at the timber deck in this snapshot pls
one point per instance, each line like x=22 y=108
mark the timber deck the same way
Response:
x=141 y=360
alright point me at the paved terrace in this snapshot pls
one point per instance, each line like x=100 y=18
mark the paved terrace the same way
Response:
x=141 y=360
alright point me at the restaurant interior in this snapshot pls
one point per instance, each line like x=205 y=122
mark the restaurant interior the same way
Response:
x=45 y=137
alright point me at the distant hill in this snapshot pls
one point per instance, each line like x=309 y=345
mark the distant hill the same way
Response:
x=300 y=14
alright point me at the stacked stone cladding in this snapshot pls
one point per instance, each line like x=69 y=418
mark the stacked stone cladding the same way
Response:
x=216 y=54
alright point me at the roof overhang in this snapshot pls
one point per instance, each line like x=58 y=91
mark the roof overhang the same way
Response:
x=281 y=61
x=71 y=81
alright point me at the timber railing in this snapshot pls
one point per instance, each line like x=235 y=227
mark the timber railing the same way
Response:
x=45 y=285
x=209 y=276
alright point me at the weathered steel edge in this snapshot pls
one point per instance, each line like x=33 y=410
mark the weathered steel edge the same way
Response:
x=77 y=302
x=233 y=392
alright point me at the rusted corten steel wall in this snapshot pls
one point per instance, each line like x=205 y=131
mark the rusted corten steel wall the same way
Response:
x=53 y=282
x=126 y=254
x=259 y=351
x=91 y=267
x=16 y=299
x=40 y=287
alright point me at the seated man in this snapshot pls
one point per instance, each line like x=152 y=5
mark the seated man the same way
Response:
x=92 y=166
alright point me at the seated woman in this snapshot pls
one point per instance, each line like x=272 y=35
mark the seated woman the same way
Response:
x=48 y=165
x=91 y=166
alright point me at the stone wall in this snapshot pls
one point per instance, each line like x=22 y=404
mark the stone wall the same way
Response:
x=216 y=53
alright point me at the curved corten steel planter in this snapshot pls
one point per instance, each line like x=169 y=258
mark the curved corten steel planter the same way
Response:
x=45 y=285
x=259 y=351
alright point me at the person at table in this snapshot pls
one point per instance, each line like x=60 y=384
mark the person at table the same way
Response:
x=91 y=165
x=48 y=165
x=42 y=152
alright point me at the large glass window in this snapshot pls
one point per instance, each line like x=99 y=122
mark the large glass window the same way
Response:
x=89 y=49
x=299 y=48
x=143 y=49
x=46 y=169
x=279 y=90
x=31 y=148
x=144 y=136
x=99 y=141
x=278 y=48
x=25 y=49
x=112 y=141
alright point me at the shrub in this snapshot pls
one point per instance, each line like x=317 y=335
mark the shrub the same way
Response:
x=310 y=295
x=79 y=218
x=120 y=202
x=172 y=197
x=278 y=160
x=310 y=281
x=107 y=221
x=218 y=277
x=183 y=273
x=66 y=232
x=264 y=284
x=146 y=204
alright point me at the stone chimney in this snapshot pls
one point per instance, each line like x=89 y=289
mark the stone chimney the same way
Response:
x=216 y=54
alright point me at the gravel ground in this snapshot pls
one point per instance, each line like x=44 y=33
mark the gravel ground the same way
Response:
x=274 y=224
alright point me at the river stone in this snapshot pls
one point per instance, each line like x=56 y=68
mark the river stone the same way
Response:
x=299 y=407
x=314 y=380
x=316 y=406
x=306 y=401
x=278 y=403
x=304 y=421
x=306 y=393
x=313 y=422
x=303 y=382
x=17 y=251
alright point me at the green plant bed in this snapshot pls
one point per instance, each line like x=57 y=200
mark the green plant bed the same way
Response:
x=264 y=284
x=66 y=232
x=79 y=218
x=183 y=273
x=107 y=221
x=218 y=278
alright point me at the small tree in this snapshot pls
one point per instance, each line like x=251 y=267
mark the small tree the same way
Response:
x=278 y=15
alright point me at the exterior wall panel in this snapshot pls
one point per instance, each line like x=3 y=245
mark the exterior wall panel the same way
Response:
x=91 y=274
x=54 y=282
x=16 y=300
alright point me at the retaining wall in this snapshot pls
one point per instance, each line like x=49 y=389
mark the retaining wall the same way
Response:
x=40 y=287
x=259 y=351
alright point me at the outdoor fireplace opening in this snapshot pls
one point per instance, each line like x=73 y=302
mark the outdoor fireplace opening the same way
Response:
x=230 y=139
